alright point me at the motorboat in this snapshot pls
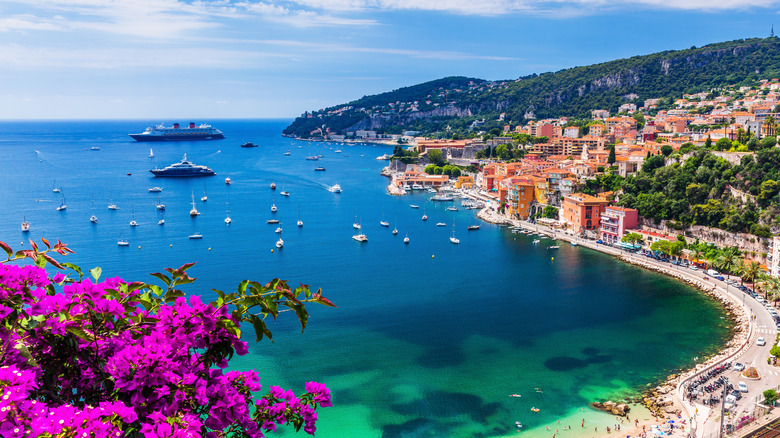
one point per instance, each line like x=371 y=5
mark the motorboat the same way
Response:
x=155 y=189
x=319 y=169
x=417 y=187
x=574 y=244
x=441 y=224
x=95 y=148
x=122 y=242
x=553 y=247
x=249 y=145
x=273 y=185
x=451 y=208
x=283 y=193
x=278 y=230
x=406 y=239
x=287 y=153
x=313 y=158
x=424 y=216
x=442 y=197
x=227 y=181
x=195 y=236
x=280 y=243
x=335 y=188
x=183 y=168
x=360 y=237
x=338 y=151
x=272 y=221
x=414 y=206
x=112 y=206
x=431 y=190
x=273 y=208
x=161 y=222
x=25 y=225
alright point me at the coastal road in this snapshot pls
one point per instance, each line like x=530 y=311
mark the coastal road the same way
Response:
x=759 y=323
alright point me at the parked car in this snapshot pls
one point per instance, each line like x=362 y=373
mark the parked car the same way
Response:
x=737 y=395
x=760 y=342
x=694 y=267
x=742 y=387
x=739 y=366
x=719 y=277
x=729 y=402
x=599 y=241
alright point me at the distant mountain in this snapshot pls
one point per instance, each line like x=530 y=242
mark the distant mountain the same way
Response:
x=573 y=92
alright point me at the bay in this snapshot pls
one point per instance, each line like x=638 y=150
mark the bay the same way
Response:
x=429 y=339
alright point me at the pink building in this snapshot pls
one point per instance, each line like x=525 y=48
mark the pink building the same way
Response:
x=615 y=221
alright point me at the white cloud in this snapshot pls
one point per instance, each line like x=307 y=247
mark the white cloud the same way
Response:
x=27 y=22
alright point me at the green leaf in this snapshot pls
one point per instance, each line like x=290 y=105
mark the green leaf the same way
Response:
x=242 y=286
x=134 y=286
x=260 y=328
x=75 y=268
x=96 y=271
x=81 y=333
x=162 y=277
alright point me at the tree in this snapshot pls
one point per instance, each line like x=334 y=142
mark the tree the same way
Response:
x=768 y=142
x=611 y=157
x=770 y=396
x=752 y=270
x=708 y=143
x=632 y=238
x=436 y=156
x=111 y=358
x=430 y=169
x=502 y=151
x=455 y=172
x=666 y=150
x=550 y=212
x=652 y=163
x=723 y=144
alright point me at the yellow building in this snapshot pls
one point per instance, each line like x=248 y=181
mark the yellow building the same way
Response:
x=465 y=182
x=541 y=186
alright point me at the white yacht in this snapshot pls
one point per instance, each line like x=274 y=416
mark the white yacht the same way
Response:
x=424 y=216
x=155 y=189
x=133 y=223
x=280 y=243
x=417 y=186
x=204 y=198
x=25 y=225
x=383 y=222
x=227 y=180
x=360 y=237
x=195 y=236
x=406 y=239
x=62 y=206
x=159 y=205
x=227 y=213
x=356 y=224
x=335 y=189
x=122 y=242
x=300 y=222
x=273 y=208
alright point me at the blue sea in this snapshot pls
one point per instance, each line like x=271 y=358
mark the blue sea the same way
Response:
x=428 y=340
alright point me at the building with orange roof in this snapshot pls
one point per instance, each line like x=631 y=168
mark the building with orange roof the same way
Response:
x=411 y=177
x=464 y=182
x=596 y=130
x=582 y=212
x=521 y=195
x=615 y=221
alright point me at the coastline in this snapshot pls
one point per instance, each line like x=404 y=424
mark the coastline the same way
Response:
x=666 y=399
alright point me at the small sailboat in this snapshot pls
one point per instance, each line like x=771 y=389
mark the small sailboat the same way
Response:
x=287 y=153
x=395 y=227
x=93 y=218
x=227 y=213
x=133 y=223
x=62 y=206
x=406 y=239
x=273 y=185
x=227 y=180
x=383 y=222
x=161 y=221
x=279 y=229
x=155 y=189
x=360 y=237
x=25 y=225
x=194 y=211
x=111 y=205
x=414 y=206
x=54 y=187
x=122 y=242
x=204 y=198
x=280 y=242
x=197 y=235
x=283 y=192
x=273 y=208
x=472 y=227
x=454 y=239
x=424 y=216
x=441 y=224
x=151 y=153
x=159 y=205
x=355 y=223
x=300 y=222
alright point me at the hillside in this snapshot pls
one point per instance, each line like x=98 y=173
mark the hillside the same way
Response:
x=573 y=92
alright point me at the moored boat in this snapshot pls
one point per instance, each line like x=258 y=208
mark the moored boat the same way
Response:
x=177 y=133
x=183 y=168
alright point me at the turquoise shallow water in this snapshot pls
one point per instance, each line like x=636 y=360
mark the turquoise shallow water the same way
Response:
x=429 y=339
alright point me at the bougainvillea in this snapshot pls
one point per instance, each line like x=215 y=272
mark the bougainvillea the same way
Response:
x=83 y=357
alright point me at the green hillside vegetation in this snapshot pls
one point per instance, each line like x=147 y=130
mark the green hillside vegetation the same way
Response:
x=572 y=92
x=696 y=192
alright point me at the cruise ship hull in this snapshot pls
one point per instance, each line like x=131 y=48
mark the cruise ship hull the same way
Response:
x=186 y=137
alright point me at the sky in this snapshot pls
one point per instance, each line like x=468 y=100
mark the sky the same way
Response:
x=205 y=60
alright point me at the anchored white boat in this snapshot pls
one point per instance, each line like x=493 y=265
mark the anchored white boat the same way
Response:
x=227 y=213
x=194 y=211
x=335 y=189
x=454 y=239
x=195 y=236
x=300 y=222
x=122 y=242
x=25 y=225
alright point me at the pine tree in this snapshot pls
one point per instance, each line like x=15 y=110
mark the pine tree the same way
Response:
x=611 y=157
x=708 y=143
